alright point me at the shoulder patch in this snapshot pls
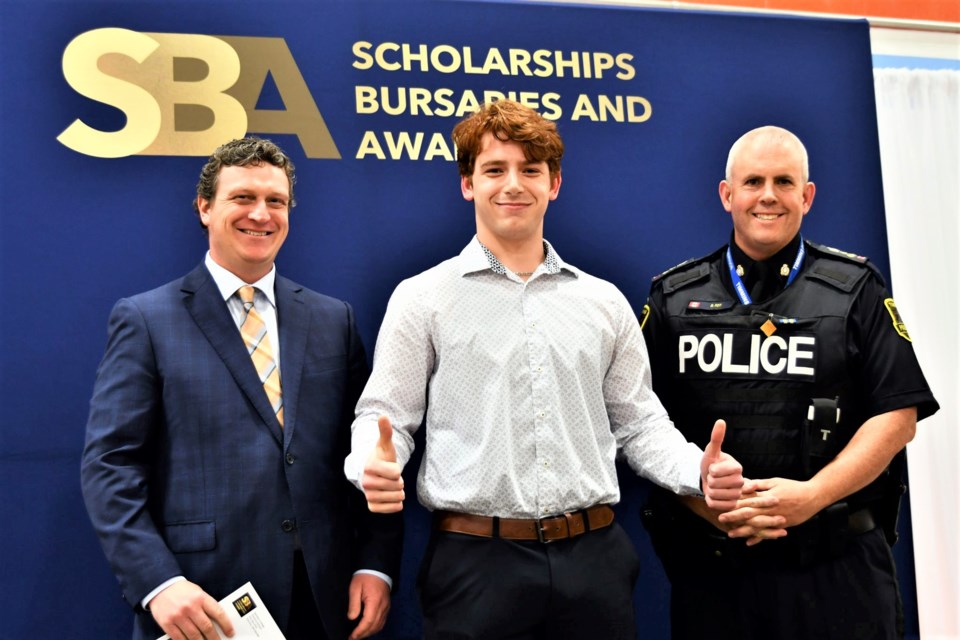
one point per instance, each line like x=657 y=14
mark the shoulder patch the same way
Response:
x=644 y=316
x=898 y=324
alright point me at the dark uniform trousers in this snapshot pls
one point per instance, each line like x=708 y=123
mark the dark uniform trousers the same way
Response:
x=490 y=588
x=726 y=599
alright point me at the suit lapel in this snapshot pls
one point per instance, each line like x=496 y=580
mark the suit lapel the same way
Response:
x=203 y=302
x=293 y=322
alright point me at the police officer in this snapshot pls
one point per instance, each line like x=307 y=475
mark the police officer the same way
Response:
x=800 y=348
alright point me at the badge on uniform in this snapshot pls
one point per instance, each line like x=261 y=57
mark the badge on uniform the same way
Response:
x=709 y=305
x=768 y=328
x=644 y=315
x=898 y=324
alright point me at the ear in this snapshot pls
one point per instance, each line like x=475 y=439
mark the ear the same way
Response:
x=203 y=206
x=726 y=195
x=809 y=190
x=466 y=187
x=555 y=185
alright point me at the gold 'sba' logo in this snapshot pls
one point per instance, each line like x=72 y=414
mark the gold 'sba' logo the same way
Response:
x=185 y=94
x=244 y=604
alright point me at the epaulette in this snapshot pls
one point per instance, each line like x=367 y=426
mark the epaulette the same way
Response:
x=673 y=269
x=844 y=273
x=837 y=253
x=686 y=263
x=687 y=272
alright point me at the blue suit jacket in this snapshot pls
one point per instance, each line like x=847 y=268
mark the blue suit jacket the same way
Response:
x=186 y=470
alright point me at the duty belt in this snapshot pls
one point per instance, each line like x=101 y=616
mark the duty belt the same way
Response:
x=824 y=536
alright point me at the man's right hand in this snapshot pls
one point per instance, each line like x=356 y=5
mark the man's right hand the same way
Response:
x=753 y=520
x=382 y=481
x=721 y=476
x=186 y=612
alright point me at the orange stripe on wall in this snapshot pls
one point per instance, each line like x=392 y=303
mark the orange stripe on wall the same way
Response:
x=935 y=10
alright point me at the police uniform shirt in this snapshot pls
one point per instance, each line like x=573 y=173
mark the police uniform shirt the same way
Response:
x=878 y=348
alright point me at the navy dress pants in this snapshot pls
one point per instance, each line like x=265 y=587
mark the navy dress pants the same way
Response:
x=490 y=588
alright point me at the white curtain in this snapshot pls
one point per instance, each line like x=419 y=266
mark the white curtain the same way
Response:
x=918 y=113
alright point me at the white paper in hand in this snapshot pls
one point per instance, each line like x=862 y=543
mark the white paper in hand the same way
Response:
x=249 y=616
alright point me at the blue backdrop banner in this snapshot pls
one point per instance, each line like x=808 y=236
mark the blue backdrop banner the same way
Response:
x=109 y=107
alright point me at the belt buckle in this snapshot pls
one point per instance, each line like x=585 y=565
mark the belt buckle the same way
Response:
x=539 y=527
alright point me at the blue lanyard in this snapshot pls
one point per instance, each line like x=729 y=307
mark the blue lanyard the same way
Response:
x=738 y=283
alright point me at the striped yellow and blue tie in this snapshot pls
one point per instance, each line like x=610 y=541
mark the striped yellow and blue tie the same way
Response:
x=254 y=332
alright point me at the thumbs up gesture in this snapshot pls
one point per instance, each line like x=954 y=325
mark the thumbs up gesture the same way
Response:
x=721 y=476
x=382 y=481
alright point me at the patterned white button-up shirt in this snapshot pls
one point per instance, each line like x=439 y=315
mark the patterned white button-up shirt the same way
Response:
x=529 y=389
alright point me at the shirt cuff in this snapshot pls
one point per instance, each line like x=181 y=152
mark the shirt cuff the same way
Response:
x=363 y=441
x=694 y=482
x=382 y=576
x=153 y=594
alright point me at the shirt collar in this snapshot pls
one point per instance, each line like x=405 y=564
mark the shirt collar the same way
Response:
x=228 y=282
x=785 y=256
x=476 y=257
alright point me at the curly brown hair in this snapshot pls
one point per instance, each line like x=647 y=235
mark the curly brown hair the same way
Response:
x=250 y=151
x=508 y=120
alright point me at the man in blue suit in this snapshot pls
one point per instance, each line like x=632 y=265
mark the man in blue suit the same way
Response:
x=204 y=469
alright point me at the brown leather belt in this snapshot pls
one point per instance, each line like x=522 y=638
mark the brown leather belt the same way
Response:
x=567 y=525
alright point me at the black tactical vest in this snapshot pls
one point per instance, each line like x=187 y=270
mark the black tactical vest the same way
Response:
x=762 y=367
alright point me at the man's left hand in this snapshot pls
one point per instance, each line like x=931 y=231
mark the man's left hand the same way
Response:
x=369 y=595
x=796 y=503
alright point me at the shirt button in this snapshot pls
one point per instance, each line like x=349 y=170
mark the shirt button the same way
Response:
x=287 y=526
x=290 y=458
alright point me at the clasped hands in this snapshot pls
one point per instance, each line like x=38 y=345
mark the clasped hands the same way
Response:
x=757 y=510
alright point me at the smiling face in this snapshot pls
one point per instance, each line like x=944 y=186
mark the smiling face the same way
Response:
x=247 y=219
x=766 y=191
x=510 y=194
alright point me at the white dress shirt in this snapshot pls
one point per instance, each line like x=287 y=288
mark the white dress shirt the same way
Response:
x=264 y=301
x=529 y=389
